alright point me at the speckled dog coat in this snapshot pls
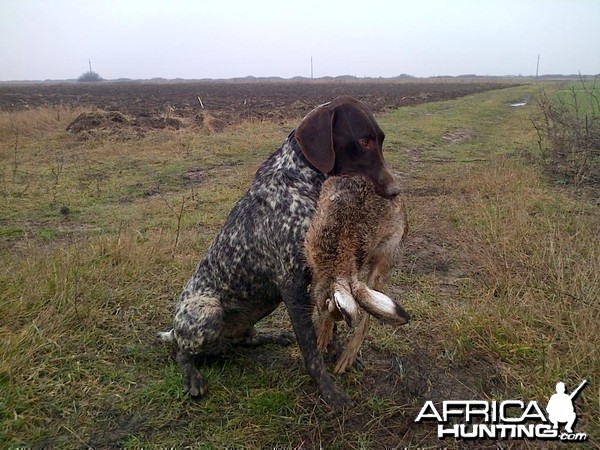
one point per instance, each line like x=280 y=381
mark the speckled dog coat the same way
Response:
x=236 y=282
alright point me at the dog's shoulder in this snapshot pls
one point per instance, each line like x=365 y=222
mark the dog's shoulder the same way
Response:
x=266 y=227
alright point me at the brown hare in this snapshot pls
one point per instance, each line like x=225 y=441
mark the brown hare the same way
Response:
x=354 y=232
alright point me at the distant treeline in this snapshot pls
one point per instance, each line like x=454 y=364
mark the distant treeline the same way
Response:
x=340 y=78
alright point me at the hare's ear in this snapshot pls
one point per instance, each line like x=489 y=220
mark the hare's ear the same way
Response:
x=315 y=136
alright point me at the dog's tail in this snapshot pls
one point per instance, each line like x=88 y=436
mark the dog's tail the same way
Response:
x=378 y=304
x=166 y=336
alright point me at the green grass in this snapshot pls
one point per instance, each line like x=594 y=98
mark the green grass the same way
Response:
x=500 y=274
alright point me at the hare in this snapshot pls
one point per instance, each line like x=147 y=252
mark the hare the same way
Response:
x=354 y=232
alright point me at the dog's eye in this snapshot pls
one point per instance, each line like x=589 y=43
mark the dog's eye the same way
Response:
x=364 y=142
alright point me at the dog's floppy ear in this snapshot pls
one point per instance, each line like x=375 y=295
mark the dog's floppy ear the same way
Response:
x=315 y=136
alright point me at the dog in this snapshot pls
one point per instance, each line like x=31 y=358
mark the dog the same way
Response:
x=257 y=259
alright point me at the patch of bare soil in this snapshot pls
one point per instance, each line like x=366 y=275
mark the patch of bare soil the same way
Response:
x=409 y=381
x=458 y=136
x=404 y=383
x=195 y=176
x=116 y=428
x=102 y=123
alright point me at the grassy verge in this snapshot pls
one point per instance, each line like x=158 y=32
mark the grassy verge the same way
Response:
x=98 y=236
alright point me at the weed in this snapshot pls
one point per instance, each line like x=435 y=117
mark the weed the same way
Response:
x=569 y=132
x=179 y=215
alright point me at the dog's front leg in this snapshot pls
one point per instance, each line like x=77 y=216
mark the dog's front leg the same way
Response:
x=296 y=299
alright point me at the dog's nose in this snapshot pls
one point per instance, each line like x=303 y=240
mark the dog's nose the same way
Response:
x=388 y=190
x=392 y=190
x=385 y=183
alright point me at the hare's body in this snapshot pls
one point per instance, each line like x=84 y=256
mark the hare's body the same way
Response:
x=354 y=235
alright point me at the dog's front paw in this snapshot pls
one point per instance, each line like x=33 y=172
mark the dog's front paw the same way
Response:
x=193 y=384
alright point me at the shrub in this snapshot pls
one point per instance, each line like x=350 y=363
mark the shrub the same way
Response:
x=90 y=76
x=569 y=132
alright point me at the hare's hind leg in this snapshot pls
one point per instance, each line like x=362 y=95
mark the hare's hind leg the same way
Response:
x=348 y=357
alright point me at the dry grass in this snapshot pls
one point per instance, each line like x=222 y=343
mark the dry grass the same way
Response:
x=538 y=279
x=501 y=275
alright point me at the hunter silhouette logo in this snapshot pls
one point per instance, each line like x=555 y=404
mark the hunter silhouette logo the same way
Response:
x=508 y=419
x=560 y=406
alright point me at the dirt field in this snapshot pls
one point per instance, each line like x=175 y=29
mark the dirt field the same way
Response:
x=152 y=105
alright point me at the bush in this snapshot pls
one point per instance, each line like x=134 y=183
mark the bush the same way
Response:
x=90 y=76
x=569 y=132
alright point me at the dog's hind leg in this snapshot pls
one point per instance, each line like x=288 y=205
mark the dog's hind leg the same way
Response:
x=256 y=339
x=197 y=329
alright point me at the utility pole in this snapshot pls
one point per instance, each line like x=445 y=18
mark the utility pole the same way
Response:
x=537 y=69
x=90 y=63
x=311 y=68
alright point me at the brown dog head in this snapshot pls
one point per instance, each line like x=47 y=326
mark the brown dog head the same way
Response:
x=342 y=138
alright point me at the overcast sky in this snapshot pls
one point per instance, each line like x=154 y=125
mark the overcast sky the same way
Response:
x=53 y=39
